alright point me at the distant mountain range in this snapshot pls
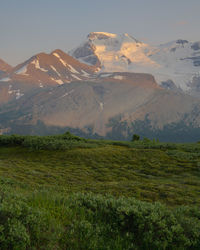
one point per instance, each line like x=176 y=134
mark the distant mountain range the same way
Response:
x=111 y=86
x=174 y=65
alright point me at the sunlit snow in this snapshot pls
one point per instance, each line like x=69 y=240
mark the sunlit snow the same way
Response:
x=123 y=53
x=118 y=77
x=85 y=73
x=57 y=80
x=61 y=60
x=76 y=77
x=73 y=69
x=37 y=65
x=101 y=105
x=54 y=69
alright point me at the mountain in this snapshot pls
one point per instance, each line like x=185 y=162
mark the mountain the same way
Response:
x=4 y=66
x=104 y=107
x=111 y=86
x=50 y=69
x=175 y=65
x=40 y=71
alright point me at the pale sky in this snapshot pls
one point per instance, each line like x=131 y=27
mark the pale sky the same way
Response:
x=28 y=27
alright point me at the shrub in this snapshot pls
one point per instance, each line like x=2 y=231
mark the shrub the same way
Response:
x=145 y=225
x=146 y=140
x=135 y=137
x=24 y=227
x=89 y=221
x=12 y=140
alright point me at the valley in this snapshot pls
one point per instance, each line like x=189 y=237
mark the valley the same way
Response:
x=104 y=89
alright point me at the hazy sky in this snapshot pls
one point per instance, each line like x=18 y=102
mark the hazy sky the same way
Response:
x=31 y=26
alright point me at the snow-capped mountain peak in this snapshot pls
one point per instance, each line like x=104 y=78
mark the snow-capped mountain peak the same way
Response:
x=105 y=36
x=113 y=52
x=176 y=61
x=100 y=35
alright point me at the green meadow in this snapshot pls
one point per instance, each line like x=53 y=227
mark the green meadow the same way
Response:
x=67 y=192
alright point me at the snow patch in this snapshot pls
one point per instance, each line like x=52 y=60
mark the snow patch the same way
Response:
x=67 y=93
x=101 y=105
x=85 y=73
x=76 y=77
x=118 y=77
x=105 y=75
x=17 y=92
x=37 y=65
x=9 y=90
x=5 y=79
x=60 y=59
x=22 y=70
x=73 y=69
x=97 y=69
x=57 y=80
x=54 y=69
x=40 y=84
x=103 y=33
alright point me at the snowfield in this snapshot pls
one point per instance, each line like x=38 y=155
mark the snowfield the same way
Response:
x=178 y=61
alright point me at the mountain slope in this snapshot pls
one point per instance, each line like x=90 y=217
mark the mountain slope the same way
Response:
x=177 y=62
x=54 y=68
x=96 y=107
x=42 y=71
x=99 y=93
x=4 y=66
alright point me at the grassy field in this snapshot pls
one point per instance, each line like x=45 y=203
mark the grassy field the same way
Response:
x=171 y=176
x=47 y=171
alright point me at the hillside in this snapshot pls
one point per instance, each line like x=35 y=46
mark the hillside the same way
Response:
x=66 y=192
x=174 y=64
x=146 y=170
x=110 y=86
x=113 y=106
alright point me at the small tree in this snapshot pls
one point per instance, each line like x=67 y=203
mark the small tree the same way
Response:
x=146 y=140
x=135 y=137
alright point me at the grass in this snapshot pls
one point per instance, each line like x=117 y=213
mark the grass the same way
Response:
x=151 y=172
x=65 y=192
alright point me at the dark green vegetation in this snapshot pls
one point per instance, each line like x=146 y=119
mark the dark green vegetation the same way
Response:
x=66 y=192
x=180 y=132
x=173 y=132
x=135 y=137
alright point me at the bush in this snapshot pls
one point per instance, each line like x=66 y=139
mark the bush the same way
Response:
x=71 y=137
x=146 y=140
x=24 y=227
x=48 y=143
x=135 y=137
x=11 y=140
x=56 y=142
x=141 y=224
x=89 y=221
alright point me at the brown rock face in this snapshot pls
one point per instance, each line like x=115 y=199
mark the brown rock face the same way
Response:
x=4 y=66
x=41 y=71
x=97 y=103
x=60 y=91
x=51 y=69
